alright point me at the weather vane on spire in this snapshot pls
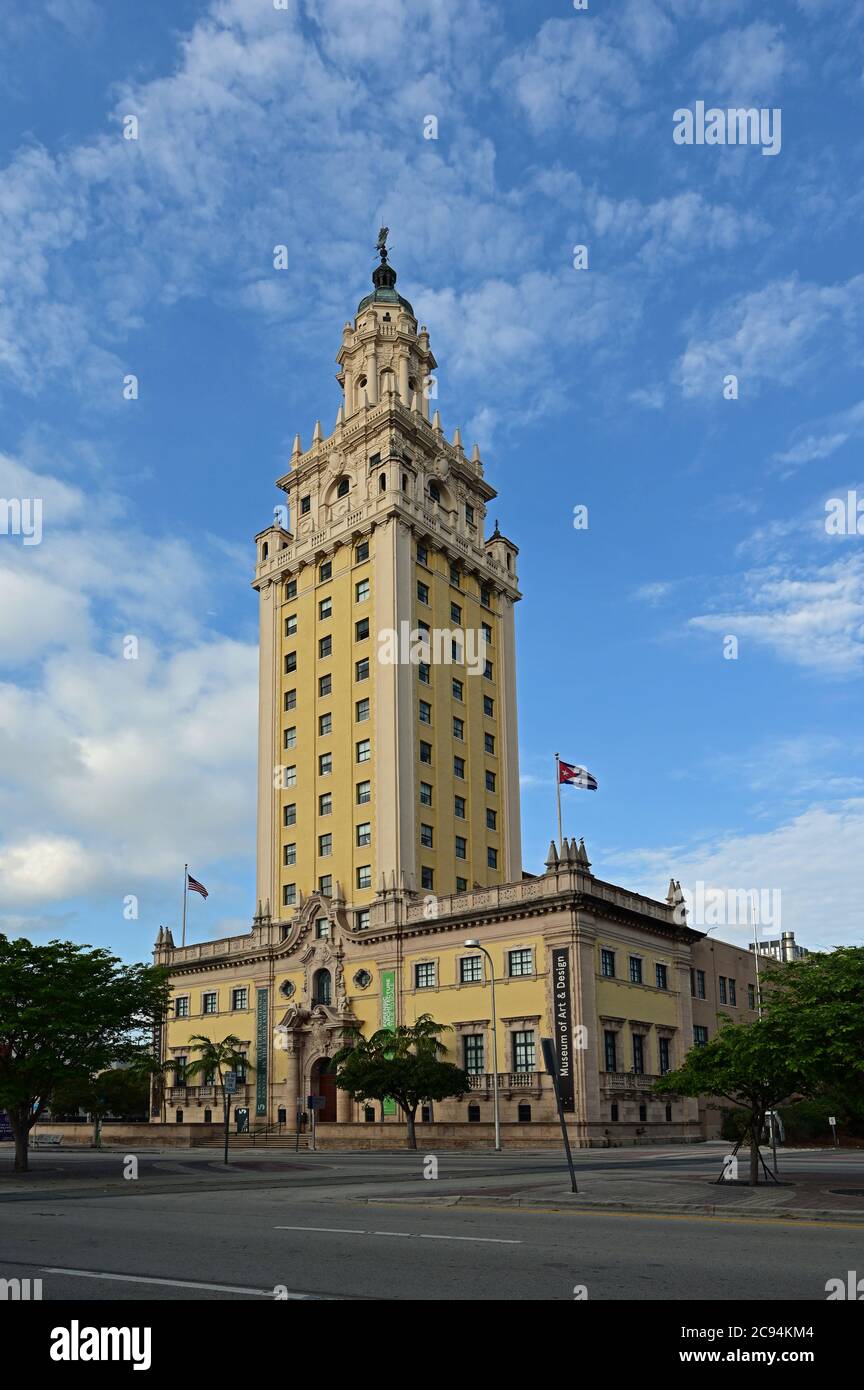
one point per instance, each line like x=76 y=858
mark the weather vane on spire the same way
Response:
x=382 y=242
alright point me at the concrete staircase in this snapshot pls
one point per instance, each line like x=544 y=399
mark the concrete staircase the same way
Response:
x=258 y=1141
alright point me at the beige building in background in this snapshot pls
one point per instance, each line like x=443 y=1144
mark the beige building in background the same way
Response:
x=388 y=814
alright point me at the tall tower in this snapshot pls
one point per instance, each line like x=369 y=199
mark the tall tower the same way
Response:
x=388 y=749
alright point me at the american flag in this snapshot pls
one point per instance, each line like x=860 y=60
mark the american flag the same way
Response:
x=576 y=776
x=195 y=887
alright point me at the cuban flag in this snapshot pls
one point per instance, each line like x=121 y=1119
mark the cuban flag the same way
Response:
x=576 y=777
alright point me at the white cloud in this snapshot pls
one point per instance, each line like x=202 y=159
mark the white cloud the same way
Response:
x=570 y=73
x=813 y=443
x=775 y=335
x=742 y=65
x=815 y=621
x=814 y=859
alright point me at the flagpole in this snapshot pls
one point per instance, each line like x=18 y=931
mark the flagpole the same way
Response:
x=185 y=887
x=558 y=791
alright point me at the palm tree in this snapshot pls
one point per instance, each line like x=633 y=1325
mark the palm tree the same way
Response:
x=215 y=1059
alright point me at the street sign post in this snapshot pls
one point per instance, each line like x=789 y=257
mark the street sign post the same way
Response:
x=551 y=1060
x=832 y=1120
x=229 y=1081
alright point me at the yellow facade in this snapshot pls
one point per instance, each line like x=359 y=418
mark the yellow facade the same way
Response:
x=388 y=804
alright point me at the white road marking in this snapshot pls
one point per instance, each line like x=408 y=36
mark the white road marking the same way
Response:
x=170 y=1283
x=407 y=1235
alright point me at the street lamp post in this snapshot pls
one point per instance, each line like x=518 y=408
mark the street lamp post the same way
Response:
x=476 y=944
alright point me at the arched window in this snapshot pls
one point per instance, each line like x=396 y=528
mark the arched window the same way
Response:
x=321 y=987
x=265 y=551
x=524 y=1113
x=342 y=487
x=435 y=492
x=474 y=1112
x=382 y=482
x=179 y=1117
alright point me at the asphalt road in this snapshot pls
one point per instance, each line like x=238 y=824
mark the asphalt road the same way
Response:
x=320 y=1226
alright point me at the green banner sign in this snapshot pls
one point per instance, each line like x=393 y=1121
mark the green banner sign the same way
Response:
x=261 y=1055
x=388 y=1020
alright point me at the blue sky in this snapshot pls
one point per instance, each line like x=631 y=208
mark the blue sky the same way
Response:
x=601 y=387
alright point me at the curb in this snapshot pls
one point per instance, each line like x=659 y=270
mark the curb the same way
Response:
x=856 y=1216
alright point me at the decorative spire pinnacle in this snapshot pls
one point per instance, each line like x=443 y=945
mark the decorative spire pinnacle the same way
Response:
x=298 y=447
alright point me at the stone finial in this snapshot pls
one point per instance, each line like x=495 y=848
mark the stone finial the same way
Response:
x=436 y=421
x=316 y=433
x=457 y=438
x=582 y=855
x=160 y=936
x=169 y=939
x=298 y=447
x=415 y=403
x=552 y=856
x=475 y=453
x=340 y=417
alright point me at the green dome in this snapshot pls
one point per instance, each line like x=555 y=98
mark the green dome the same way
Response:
x=384 y=280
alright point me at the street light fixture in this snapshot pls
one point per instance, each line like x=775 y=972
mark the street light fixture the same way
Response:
x=476 y=944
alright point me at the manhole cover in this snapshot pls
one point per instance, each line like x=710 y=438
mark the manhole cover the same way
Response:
x=846 y=1191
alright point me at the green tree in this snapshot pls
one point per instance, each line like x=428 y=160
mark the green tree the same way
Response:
x=215 y=1059
x=818 y=1004
x=402 y=1064
x=749 y=1064
x=122 y=1092
x=66 y=1013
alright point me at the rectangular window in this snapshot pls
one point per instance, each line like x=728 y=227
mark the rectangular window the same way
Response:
x=665 y=1059
x=487 y=634
x=700 y=984
x=289 y=854
x=461 y=885
x=427 y=877
x=470 y=969
x=361 y=710
x=454 y=575
x=459 y=768
x=364 y=876
x=291 y=588
x=425 y=794
x=732 y=994
x=208 y=1003
x=289 y=776
x=489 y=706
x=289 y=814
x=325 y=608
x=639 y=1053
x=469 y=514
x=520 y=962
x=491 y=820
x=610 y=1050
x=751 y=997
x=325 y=845
x=240 y=998
x=485 y=596
x=325 y=646
x=461 y=847
x=325 y=885
x=458 y=728
x=181 y=1006
x=325 y=764
x=424 y=975
x=361 y=670
x=325 y=685
x=364 y=793
x=422 y=592
x=424 y=673
x=700 y=1035
x=661 y=976
x=489 y=743
x=290 y=662
x=361 y=591
x=306 y=505
x=362 y=918
x=422 y=555
x=290 y=699
x=326 y=571
x=322 y=929
x=325 y=724
x=364 y=750
x=364 y=833
x=425 y=711
x=291 y=625
x=425 y=752
x=635 y=970
x=487 y=670
x=459 y=807
x=607 y=964
x=490 y=781
x=289 y=738
x=458 y=689
x=491 y=858
x=426 y=836
x=472 y=1053
x=289 y=894
x=325 y=804
x=721 y=988
x=455 y=614
x=361 y=630
x=523 y=1050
